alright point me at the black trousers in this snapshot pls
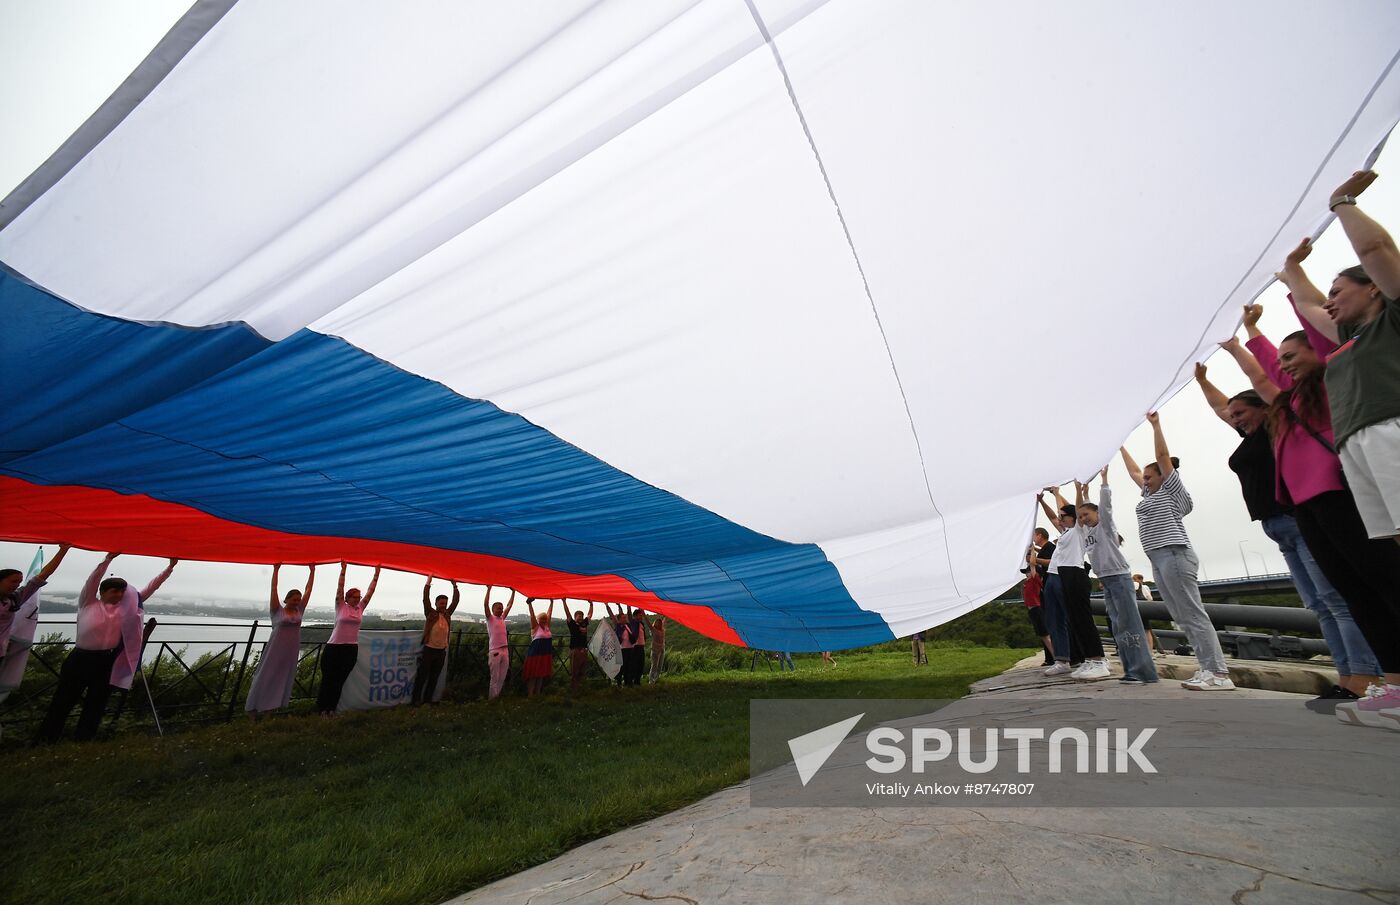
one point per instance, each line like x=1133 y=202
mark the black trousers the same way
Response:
x=1037 y=618
x=1083 y=633
x=337 y=662
x=85 y=675
x=1365 y=572
x=633 y=664
x=429 y=671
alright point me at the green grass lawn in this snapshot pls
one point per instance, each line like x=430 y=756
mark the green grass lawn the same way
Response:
x=402 y=806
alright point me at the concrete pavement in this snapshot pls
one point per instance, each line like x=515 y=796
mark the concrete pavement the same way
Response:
x=722 y=850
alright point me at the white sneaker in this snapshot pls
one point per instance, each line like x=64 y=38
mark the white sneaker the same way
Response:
x=1209 y=681
x=1195 y=677
x=1389 y=719
x=1058 y=669
x=1090 y=670
x=1380 y=707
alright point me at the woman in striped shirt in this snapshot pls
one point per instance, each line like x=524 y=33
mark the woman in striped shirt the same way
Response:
x=1162 y=530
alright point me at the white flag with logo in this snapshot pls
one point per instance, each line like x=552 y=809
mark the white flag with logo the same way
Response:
x=605 y=649
x=385 y=670
x=14 y=657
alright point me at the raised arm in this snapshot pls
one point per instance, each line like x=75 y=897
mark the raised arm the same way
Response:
x=154 y=585
x=369 y=591
x=590 y=611
x=1159 y=446
x=1133 y=471
x=1051 y=514
x=486 y=602
x=456 y=599
x=1258 y=378
x=549 y=613
x=276 y=598
x=340 y=588
x=1307 y=299
x=612 y=617
x=510 y=603
x=427 y=598
x=310 y=583
x=1372 y=244
x=1216 y=399
x=534 y=620
x=1259 y=361
x=89 y=592
x=1106 y=506
x=52 y=565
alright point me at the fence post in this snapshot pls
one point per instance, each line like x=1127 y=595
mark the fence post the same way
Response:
x=238 y=683
x=149 y=627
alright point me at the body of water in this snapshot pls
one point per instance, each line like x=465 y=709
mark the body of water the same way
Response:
x=196 y=635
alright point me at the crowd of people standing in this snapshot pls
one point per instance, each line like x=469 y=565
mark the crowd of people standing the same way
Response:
x=1318 y=465
x=109 y=639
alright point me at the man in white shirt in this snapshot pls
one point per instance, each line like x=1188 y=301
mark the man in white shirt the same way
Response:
x=109 y=624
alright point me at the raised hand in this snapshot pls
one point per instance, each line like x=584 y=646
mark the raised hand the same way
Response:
x=1200 y=371
x=1152 y=418
x=1356 y=184
x=1298 y=255
x=1252 y=313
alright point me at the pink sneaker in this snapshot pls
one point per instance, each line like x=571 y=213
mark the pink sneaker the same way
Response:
x=1367 y=711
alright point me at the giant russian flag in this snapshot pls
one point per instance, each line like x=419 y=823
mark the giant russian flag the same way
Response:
x=733 y=309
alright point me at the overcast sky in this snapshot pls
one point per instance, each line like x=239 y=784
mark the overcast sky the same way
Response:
x=61 y=58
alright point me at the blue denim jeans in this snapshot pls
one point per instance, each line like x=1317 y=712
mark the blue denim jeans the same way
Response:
x=1120 y=602
x=1349 y=649
x=1056 y=620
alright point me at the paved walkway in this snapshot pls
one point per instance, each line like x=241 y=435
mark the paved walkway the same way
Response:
x=721 y=850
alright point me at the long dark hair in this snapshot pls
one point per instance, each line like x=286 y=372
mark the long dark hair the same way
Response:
x=1308 y=391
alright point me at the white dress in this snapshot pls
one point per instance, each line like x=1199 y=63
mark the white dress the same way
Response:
x=277 y=667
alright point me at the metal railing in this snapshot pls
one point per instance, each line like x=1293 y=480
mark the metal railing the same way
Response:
x=1243 y=645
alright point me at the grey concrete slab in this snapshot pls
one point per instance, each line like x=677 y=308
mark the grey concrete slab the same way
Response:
x=722 y=850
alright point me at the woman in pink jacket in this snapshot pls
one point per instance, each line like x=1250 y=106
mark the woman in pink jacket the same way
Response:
x=1309 y=477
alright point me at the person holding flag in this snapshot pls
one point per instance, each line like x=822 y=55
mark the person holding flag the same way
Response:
x=578 y=642
x=539 y=656
x=107 y=652
x=13 y=597
x=437 y=629
x=497 y=641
